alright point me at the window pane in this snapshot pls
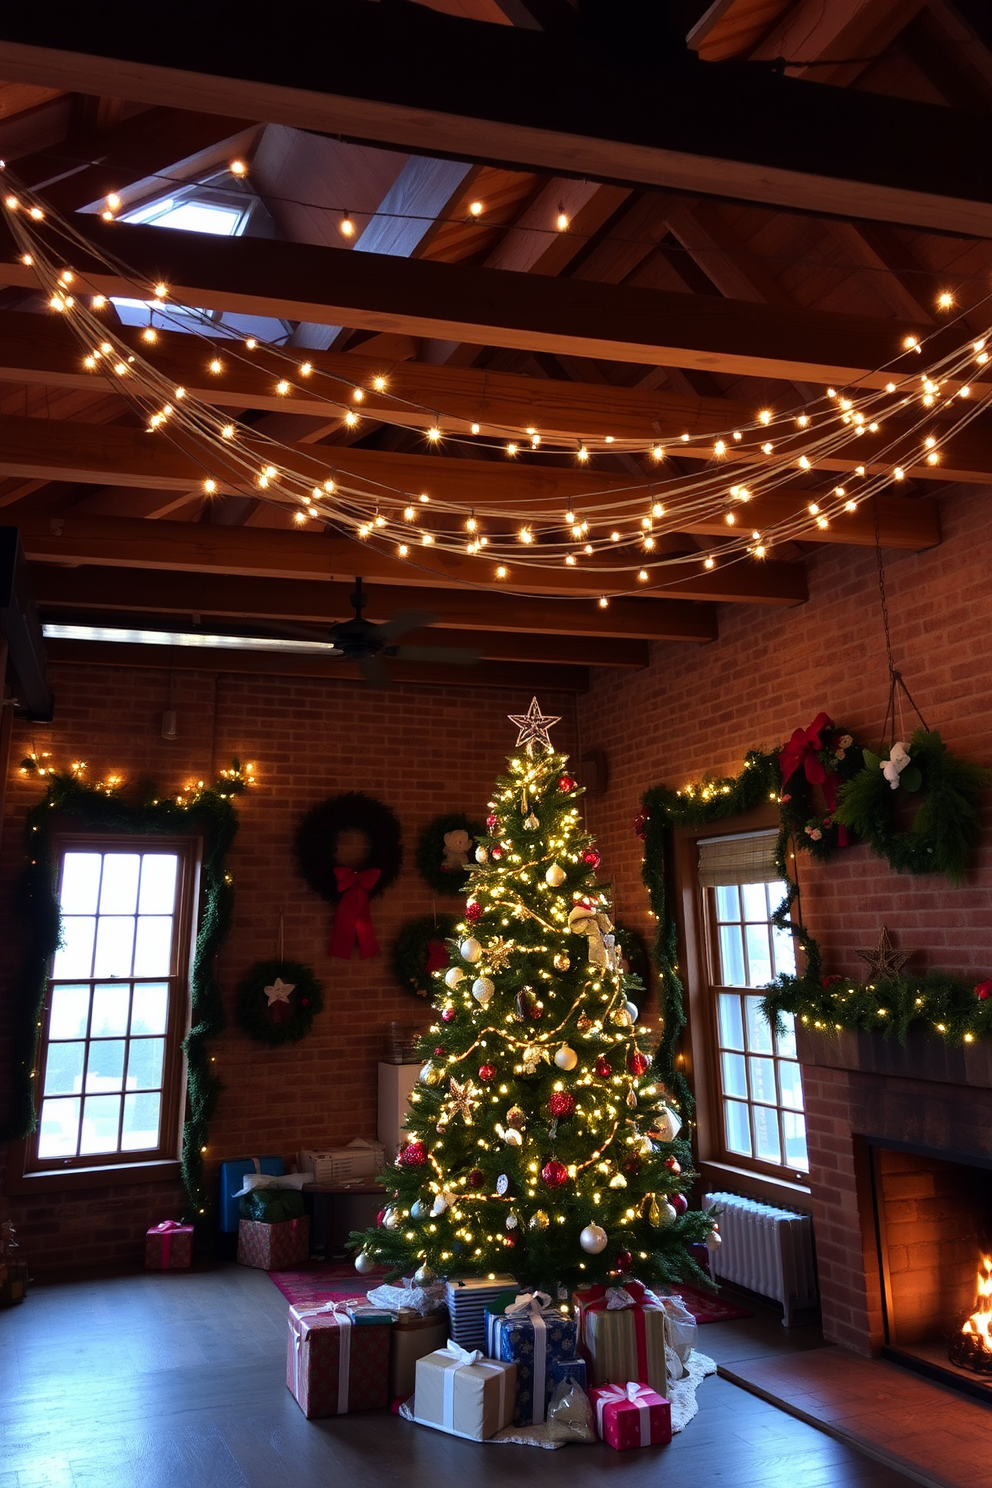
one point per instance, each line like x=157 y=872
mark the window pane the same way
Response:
x=785 y=1043
x=785 y=952
x=759 y=1033
x=731 y=1021
x=64 y=1069
x=734 y=1075
x=766 y=1139
x=80 y=883
x=144 y=1064
x=759 y=960
x=150 y=1005
x=114 y=945
x=110 y=1010
x=158 y=883
x=731 y=957
x=70 y=1009
x=74 y=958
x=762 y=1072
x=792 y=1085
x=796 y=1155
x=119 y=891
x=105 y=1070
x=153 y=947
x=101 y=1118
x=141 y=1121
x=59 y=1131
x=755 y=904
x=738 y=1128
x=777 y=891
x=727 y=907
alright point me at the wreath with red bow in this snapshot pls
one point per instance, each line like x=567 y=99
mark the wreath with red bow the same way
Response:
x=421 y=949
x=350 y=886
x=814 y=764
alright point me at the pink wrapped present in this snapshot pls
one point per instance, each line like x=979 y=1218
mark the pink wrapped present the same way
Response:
x=333 y=1365
x=631 y=1416
x=273 y=1247
x=169 y=1246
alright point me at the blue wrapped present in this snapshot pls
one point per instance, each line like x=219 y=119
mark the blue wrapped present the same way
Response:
x=573 y=1369
x=232 y=1176
x=527 y=1330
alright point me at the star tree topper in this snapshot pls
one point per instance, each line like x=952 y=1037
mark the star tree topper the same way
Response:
x=884 y=962
x=533 y=726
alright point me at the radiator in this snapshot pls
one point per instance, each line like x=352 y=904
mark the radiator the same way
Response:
x=767 y=1250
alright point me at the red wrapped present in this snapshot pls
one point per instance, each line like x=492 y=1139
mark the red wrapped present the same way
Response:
x=273 y=1247
x=332 y=1364
x=169 y=1246
x=632 y=1416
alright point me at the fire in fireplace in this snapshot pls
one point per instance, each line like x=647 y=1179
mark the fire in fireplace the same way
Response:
x=971 y=1348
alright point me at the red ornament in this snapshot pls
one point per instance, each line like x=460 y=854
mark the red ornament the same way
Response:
x=565 y=784
x=561 y=1103
x=637 y=1062
x=437 y=956
x=496 y=853
x=590 y=856
x=486 y=1073
x=380 y=1216
x=447 y=1013
x=603 y=1067
x=554 y=1173
x=492 y=823
x=473 y=911
x=510 y=1239
x=673 y=1165
x=528 y=1005
x=641 y=824
x=633 y=1164
x=624 y=1260
x=679 y=1202
x=439 y=1050
x=476 y=1178
x=983 y=991
x=414 y=1155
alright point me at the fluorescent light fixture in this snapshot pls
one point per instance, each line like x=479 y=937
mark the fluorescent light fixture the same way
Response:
x=120 y=636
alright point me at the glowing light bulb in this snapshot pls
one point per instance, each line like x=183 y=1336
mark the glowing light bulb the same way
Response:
x=149 y=334
x=511 y=449
x=306 y=368
x=708 y=562
x=433 y=433
x=238 y=168
x=643 y=576
x=250 y=344
x=475 y=428
x=475 y=208
x=402 y=550
x=282 y=388
x=216 y=366
x=346 y=227
x=561 y=221
x=409 y=513
x=945 y=301
x=351 y=419
x=161 y=290
x=379 y=383
x=603 y=602
x=502 y=572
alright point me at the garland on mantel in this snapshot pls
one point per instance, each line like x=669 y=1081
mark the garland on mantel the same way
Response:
x=101 y=807
x=958 y=1011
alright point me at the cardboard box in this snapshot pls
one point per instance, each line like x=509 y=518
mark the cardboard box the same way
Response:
x=413 y=1336
x=470 y=1400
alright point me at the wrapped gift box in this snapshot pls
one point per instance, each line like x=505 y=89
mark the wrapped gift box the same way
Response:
x=622 y=1335
x=464 y=1395
x=232 y=1176
x=573 y=1369
x=169 y=1246
x=526 y=1330
x=631 y=1416
x=413 y=1335
x=273 y=1247
x=468 y=1299
x=334 y=1366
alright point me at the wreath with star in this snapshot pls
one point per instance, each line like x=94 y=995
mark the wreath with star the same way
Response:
x=420 y=949
x=317 y=836
x=444 y=878
x=278 y=1001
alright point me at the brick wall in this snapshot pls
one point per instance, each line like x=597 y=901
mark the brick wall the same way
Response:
x=423 y=750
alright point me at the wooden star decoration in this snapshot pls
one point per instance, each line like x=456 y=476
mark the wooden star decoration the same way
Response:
x=498 y=953
x=884 y=962
x=533 y=726
x=463 y=1099
x=279 y=991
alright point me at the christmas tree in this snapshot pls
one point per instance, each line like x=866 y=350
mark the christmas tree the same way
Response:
x=541 y=1143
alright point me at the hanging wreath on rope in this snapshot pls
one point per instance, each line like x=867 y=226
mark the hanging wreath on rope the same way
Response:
x=278 y=1001
x=420 y=949
x=815 y=764
x=445 y=849
x=371 y=869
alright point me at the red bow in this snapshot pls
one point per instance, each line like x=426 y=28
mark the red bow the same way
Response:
x=802 y=749
x=353 y=921
x=437 y=956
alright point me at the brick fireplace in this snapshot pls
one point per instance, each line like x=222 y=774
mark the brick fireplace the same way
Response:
x=900 y=1144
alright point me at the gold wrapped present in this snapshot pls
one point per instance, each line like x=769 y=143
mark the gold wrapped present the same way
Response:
x=464 y=1394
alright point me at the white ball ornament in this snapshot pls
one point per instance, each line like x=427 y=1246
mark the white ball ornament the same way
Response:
x=482 y=855
x=364 y=1263
x=419 y=1210
x=453 y=976
x=633 y=1011
x=423 y=1275
x=482 y=989
x=566 y=1058
x=471 y=950
x=555 y=875
x=390 y=1219
x=593 y=1239
x=512 y=1137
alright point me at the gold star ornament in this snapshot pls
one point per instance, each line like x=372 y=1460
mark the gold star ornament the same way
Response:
x=498 y=954
x=533 y=726
x=463 y=1098
x=884 y=962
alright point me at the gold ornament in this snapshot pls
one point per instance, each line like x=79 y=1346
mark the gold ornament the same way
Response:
x=582 y=1023
x=884 y=962
x=423 y=1275
x=631 y=1098
x=555 y=875
x=515 y=1118
x=538 y=1220
x=498 y=954
x=430 y=1074
x=531 y=823
x=463 y=1098
x=621 y=1018
x=562 y=963
x=651 y=1210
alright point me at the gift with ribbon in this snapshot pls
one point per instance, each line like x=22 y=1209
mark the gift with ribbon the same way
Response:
x=632 y=1415
x=352 y=918
x=169 y=1246
x=526 y=1329
x=273 y=1247
x=463 y=1393
x=622 y=1334
x=332 y=1366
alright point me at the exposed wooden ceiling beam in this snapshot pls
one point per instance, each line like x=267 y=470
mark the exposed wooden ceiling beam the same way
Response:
x=320 y=602
x=488 y=307
x=268 y=553
x=345 y=69
x=110 y=455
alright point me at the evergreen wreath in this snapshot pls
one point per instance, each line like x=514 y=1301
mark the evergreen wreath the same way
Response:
x=317 y=840
x=946 y=824
x=411 y=953
x=285 y=1018
x=101 y=807
x=820 y=758
x=431 y=851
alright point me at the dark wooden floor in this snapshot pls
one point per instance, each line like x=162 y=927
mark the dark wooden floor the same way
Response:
x=178 y=1381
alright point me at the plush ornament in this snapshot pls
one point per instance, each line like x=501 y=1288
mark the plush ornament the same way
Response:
x=471 y=950
x=457 y=846
x=618 y=1181
x=482 y=989
x=448 y=1014
x=492 y=822
x=486 y=1073
x=554 y=1173
x=414 y=1155
x=585 y=919
x=482 y=855
x=565 y=784
x=538 y=1220
x=679 y=1202
x=590 y=857
x=419 y=1210
x=555 y=875
x=473 y=912
x=603 y=1068
x=893 y=767
x=516 y=1118
x=566 y=1058
x=562 y=962
x=666 y=1125
x=561 y=1104
x=633 y=1011
x=637 y=1062
x=423 y=1275
x=673 y=1165
x=364 y=1263
x=476 y=1178
x=624 y=1260
x=453 y=976
x=593 y=1239
x=531 y=823
x=442 y=1202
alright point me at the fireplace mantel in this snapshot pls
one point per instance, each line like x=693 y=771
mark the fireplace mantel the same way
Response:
x=924 y=1056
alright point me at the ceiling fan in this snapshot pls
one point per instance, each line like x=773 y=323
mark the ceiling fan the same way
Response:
x=369 y=645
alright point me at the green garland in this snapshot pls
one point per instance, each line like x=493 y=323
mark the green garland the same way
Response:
x=957 y=1010
x=430 y=853
x=101 y=808
x=946 y=824
x=281 y=1021
x=411 y=951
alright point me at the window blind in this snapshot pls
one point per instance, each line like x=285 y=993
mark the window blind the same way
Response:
x=739 y=859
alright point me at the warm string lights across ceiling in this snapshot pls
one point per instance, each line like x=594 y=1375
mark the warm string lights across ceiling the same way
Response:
x=617 y=538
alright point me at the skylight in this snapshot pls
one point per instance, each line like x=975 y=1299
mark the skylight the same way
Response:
x=191 y=215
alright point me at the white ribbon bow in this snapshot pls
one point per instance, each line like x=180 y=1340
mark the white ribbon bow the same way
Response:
x=525 y=1304
x=893 y=767
x=617 y=1395
x=464 y=1356
x=616 y=1298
